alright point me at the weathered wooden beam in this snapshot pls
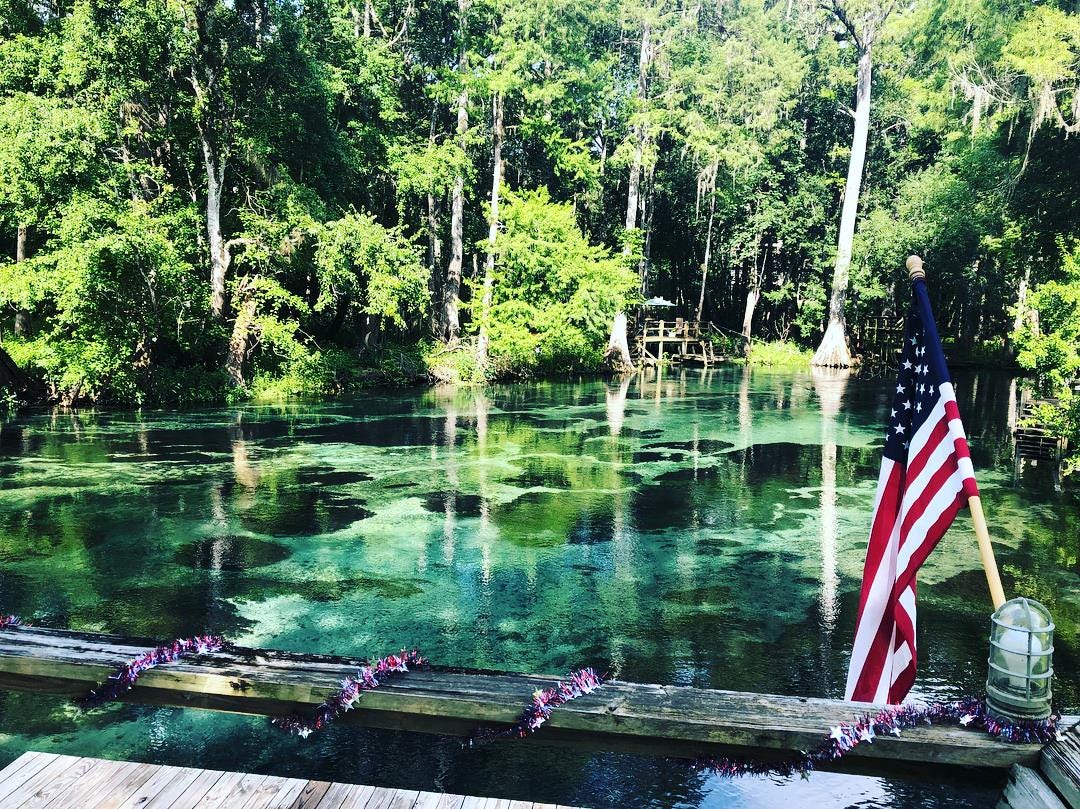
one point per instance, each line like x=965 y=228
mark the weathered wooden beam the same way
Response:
x=1060 y=764
x=1027 y=790
x=665 y=720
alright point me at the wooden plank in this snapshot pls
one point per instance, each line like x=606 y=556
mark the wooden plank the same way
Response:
x=80 y=794
x=358 y=798
x=668 y=720
x=336 y=796
x=116 y=779
x=439 y=800
x=65 y=782
x=55 y=766
x=159 y=780
x=403 y=799
x=284 y=793
x=379 y=797
x=310 y=795
x=288 y=794
x=1060 y=764
x=231 y=792
x=1027 y=790
x=20 y=769
x=264 y=794
x=60 y=784
x=222 y=788
x=198 y=788
x=129 y=787
x=172 y=790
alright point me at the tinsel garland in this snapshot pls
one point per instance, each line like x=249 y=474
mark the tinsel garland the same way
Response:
x=125 y=676
x=968 y=712
x=846 y=736
x=352 y=688
x=544 y=701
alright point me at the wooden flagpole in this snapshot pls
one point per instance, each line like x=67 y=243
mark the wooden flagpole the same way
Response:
x=978 y=519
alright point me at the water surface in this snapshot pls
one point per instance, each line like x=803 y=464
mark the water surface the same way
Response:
x=702 y=528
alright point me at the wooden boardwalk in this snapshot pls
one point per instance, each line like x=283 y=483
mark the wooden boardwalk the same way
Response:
x=1053 y=784
x=649 y=719
x=67 y=782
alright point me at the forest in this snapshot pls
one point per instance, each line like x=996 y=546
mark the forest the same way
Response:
x=205 y=201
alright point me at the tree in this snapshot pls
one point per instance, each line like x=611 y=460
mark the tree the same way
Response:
x=450 y=325
x=554 y=293
x=862 y=22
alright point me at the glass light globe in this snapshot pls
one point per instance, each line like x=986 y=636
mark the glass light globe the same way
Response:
x=1020 y=663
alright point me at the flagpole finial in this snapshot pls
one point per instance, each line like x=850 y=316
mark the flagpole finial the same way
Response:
x=915 y=268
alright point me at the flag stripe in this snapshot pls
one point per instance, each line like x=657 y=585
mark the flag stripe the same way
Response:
x=926 y=477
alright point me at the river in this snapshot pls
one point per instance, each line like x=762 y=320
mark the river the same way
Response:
x=700 y=528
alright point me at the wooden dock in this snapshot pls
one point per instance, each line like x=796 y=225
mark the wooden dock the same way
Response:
x=1035 y=442
x=683 y=341
x=634 y=717
x=1053 y=784
x=69 y=782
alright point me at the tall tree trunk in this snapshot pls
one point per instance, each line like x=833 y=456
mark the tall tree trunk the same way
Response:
x=708 y=254
x=621 y=355
x=493 y=228
x=434 y=244
x=617 y=357
x=833 y=350
x=219 y=253
x=240 y=340
x=753 y=295
x=23 y=325
x=451 y=325
x=213 y=127
x=647 y=209
x=1021 y=311
x=634 y=186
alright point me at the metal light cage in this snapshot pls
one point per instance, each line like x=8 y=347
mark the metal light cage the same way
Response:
x=1021 y=660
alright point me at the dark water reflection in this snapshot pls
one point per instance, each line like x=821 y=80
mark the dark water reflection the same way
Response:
x=701 y=528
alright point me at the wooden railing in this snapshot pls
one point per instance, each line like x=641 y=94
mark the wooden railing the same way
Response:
x=679 y=338
x=877 y=340
x=657 y=719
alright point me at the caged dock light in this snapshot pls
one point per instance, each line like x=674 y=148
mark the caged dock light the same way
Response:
x=1021 y=661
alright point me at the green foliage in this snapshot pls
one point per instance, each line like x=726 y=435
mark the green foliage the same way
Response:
x=1049 y=342
x=119 y=296
x=779 y=354
x=310 y=154
x=378 y=269
x=555 y=294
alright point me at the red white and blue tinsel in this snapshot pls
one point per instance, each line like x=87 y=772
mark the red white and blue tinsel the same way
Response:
x=844 y=737
x=544 y=701
x=125 y=676
x=968 y=712
x=352 y=688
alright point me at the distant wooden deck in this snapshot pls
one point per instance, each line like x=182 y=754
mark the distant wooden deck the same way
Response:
x=69 y=782
x=1035 y=442
x=649 y=719
x=680 y=340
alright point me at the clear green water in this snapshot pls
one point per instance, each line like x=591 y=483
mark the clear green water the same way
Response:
x=704 y=529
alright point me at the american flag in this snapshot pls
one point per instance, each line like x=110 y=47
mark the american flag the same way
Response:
x=926 y=477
